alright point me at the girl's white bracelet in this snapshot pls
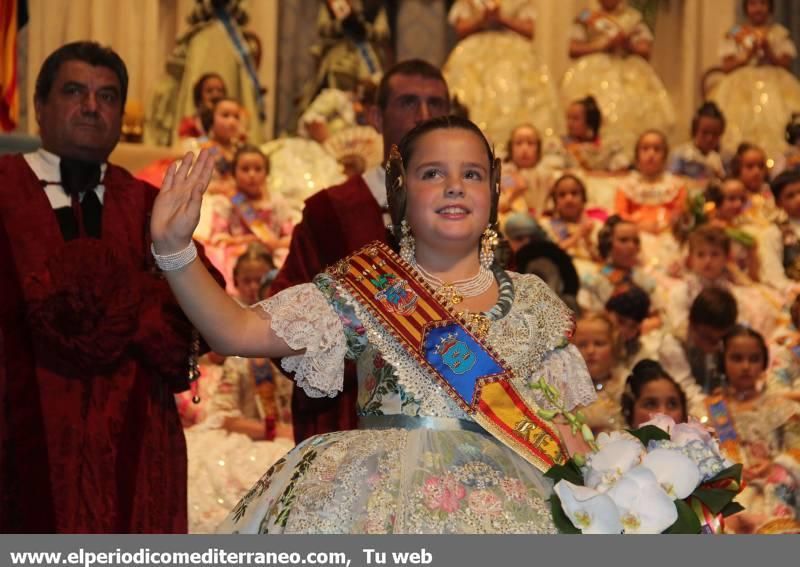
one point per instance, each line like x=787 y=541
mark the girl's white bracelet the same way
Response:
x=176 y=261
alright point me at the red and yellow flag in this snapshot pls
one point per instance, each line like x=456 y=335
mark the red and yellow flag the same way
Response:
x=13 y=15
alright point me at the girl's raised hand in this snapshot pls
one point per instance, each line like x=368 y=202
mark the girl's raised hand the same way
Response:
x=176 y=210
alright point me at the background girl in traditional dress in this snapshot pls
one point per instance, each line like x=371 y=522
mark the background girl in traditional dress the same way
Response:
x=525 y=186
x=611 y=46
x=759 y=94
x=767 y=432
x=494 y=70
x=252 y=214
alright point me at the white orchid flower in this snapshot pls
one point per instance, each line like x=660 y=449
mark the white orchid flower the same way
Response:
x=605 y=438
x=662 y=421
x=617 y=455
x=590 y=511
x=683 y=433
x=644 y=507
x=677 y=474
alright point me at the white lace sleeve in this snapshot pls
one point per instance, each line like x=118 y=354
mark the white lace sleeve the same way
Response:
x=303 y=318
x=565 y=370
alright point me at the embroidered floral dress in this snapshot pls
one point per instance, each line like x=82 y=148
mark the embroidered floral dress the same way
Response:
x=407 y=480
x=770 y=429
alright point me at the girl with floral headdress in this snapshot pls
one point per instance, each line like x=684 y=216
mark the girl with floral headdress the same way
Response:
x=611 y=45
x=425 y=460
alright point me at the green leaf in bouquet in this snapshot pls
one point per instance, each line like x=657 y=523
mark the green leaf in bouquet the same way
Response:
x=649 y=433
x=719 y=491
x=568 y=471
x=716 y=499
x=733 y=472
x=731 y=509
x=687 y=522
x=560 y=519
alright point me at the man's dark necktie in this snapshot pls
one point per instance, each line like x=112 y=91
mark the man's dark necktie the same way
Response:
x=81 y=177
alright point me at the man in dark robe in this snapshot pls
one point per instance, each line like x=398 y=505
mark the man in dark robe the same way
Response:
x=341 y=219
x=94 y=345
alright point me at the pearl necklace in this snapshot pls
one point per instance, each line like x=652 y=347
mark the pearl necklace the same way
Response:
x=457 y=290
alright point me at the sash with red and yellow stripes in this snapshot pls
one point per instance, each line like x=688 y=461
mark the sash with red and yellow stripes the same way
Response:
x=467 y=369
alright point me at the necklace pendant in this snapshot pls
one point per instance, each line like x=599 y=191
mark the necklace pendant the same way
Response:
x=456 y=298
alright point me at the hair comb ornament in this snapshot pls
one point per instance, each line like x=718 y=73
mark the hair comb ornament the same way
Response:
x=496 y=179
x=396 y=194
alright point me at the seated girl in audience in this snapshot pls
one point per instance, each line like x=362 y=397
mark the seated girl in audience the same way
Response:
x=225 y=129
x=611 y=45
x=784 y=369
x=208 y=89
x=699 y=158
x=250 y=269
x=238 y=439
x=766 y=432
x=569 y=226
x=726 y=204
x=649 y=391
x=582 y=146
x=749 y=165
x=759 y=92
x=595 y=337
x=708 y=261
x=779 y=244
x=252 y=214
x=526 y=182
x=653 y=198
x=619 y=245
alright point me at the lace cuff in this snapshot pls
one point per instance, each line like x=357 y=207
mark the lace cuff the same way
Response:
x=303 y=318
x=565 y=370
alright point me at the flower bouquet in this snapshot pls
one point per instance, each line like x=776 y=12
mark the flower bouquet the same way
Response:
x=661 y=478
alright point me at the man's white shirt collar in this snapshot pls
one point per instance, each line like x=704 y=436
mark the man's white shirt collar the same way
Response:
x=47 y=167
x=375 y=179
